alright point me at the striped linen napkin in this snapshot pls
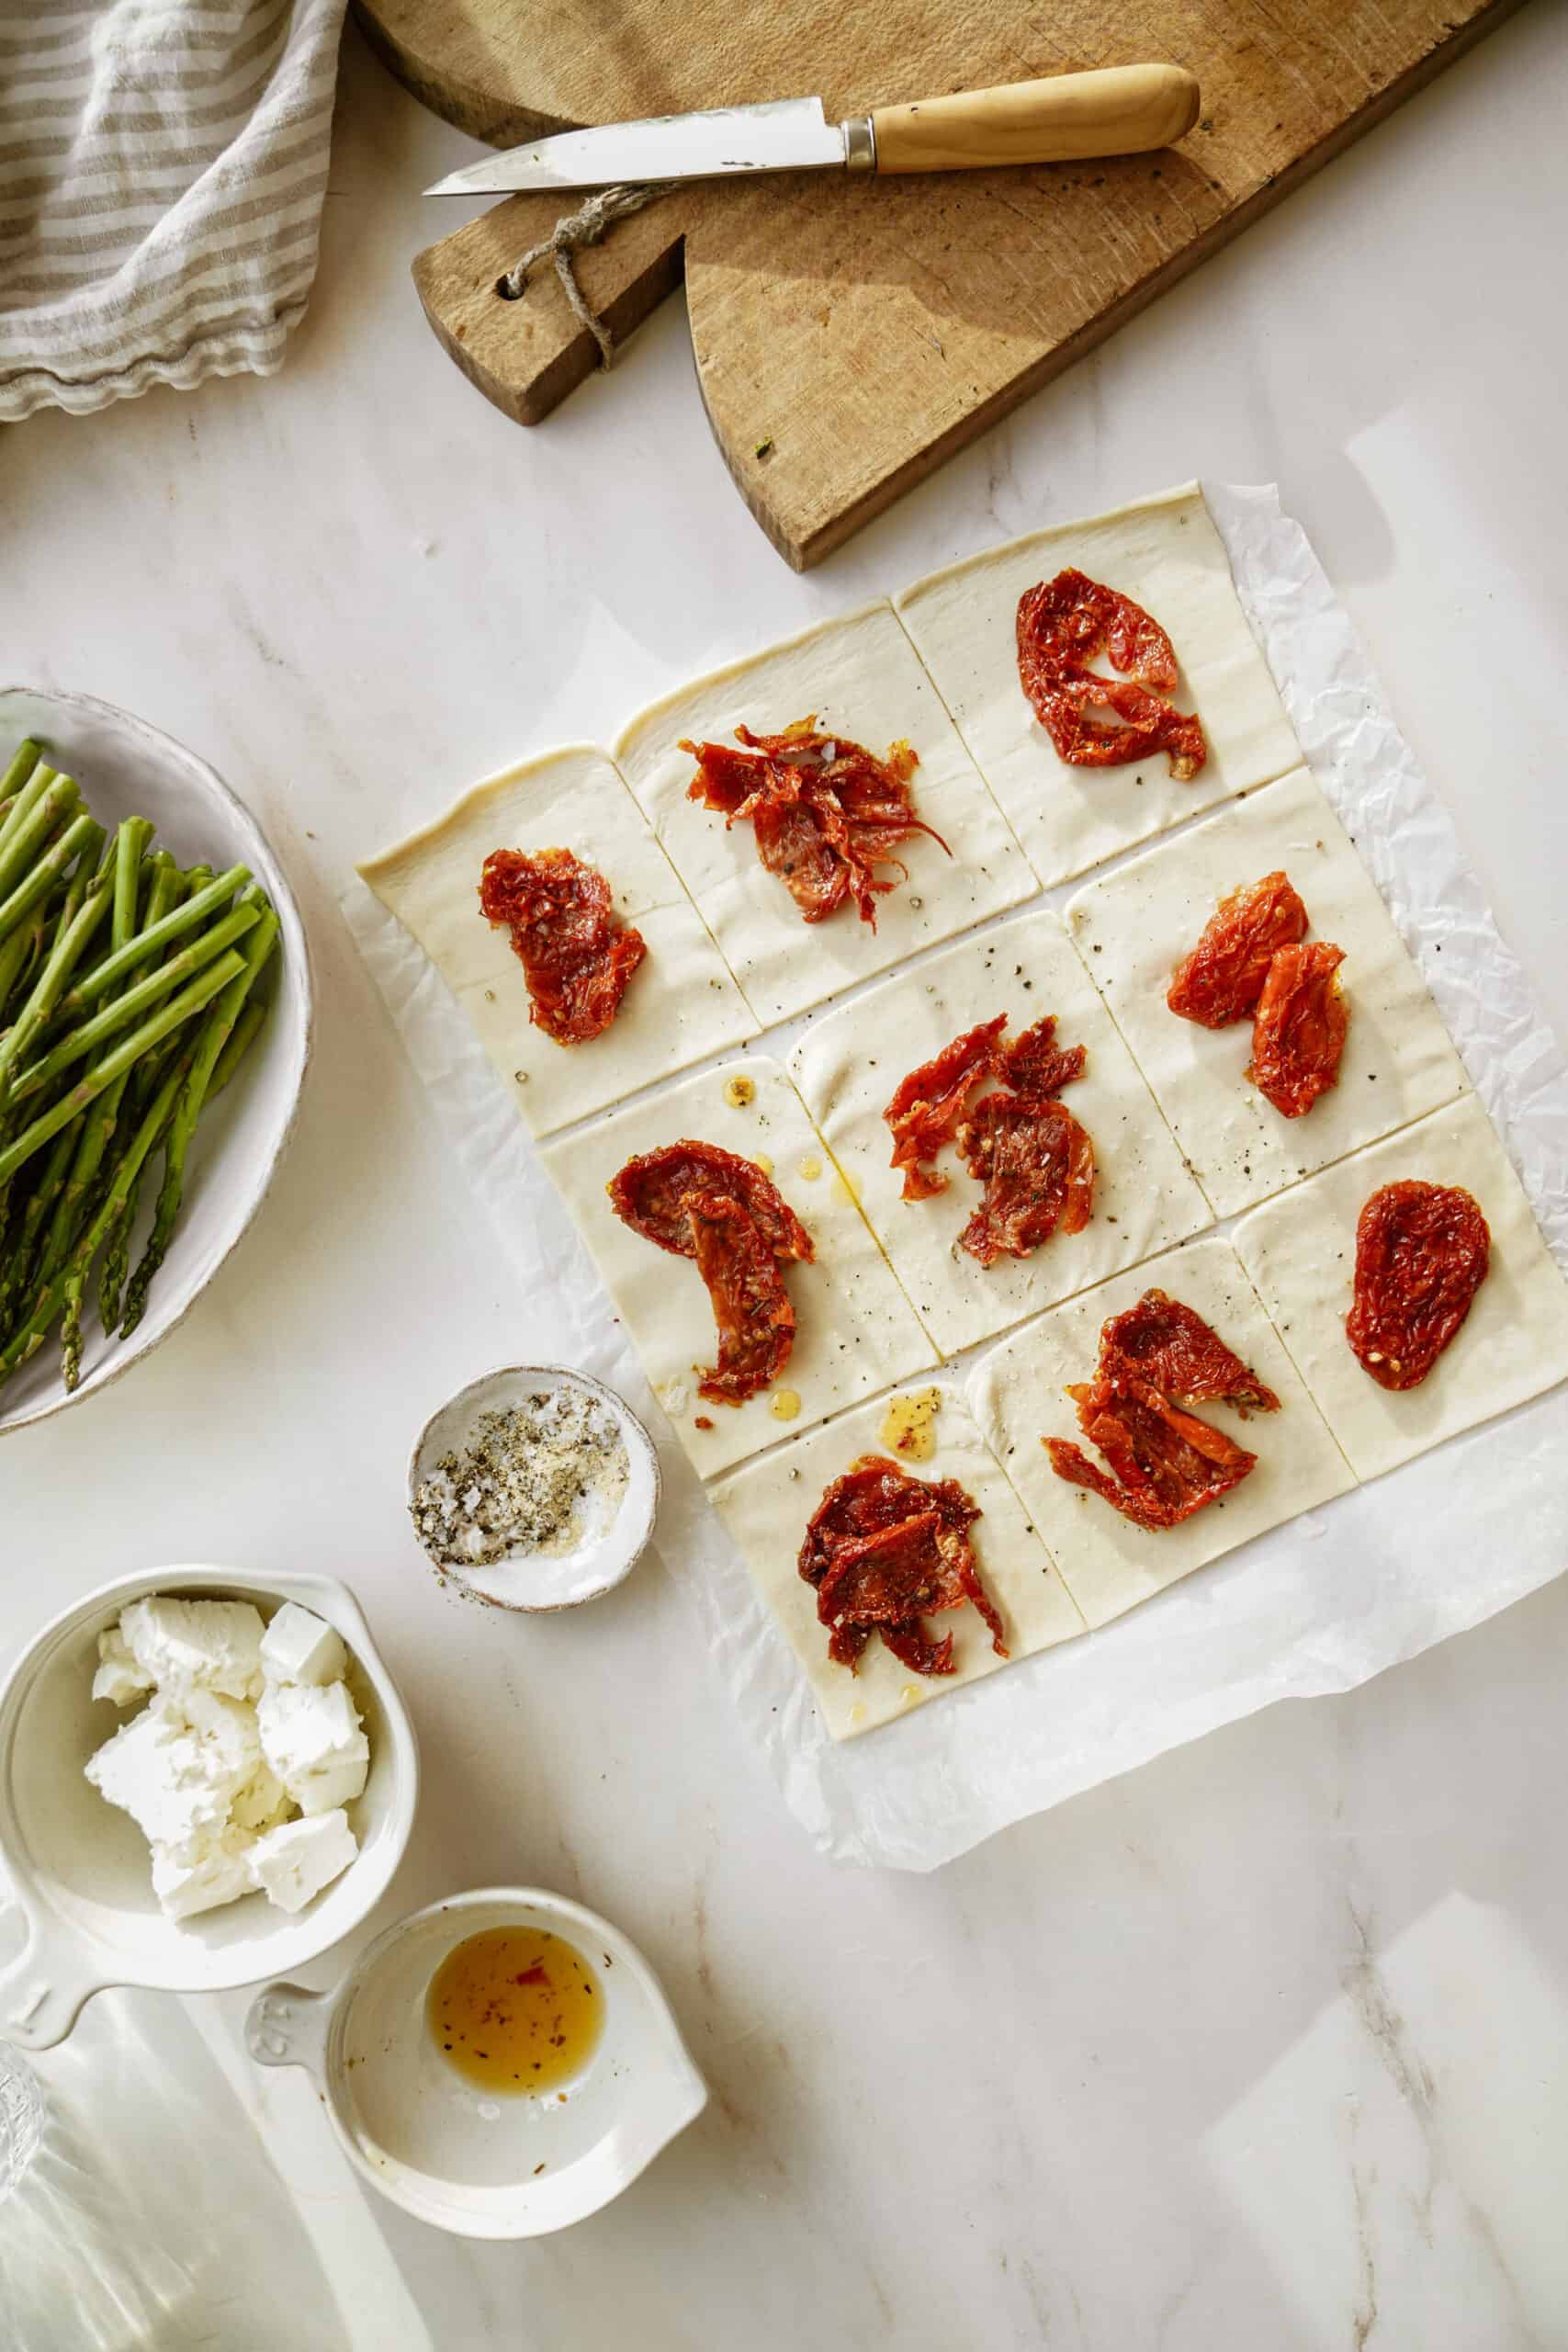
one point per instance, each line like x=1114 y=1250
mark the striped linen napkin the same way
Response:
x=162 y=169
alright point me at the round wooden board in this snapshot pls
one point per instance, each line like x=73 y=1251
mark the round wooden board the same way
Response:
x=851 y=335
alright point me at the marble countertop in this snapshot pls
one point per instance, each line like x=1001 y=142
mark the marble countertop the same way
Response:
x=1265 y=2045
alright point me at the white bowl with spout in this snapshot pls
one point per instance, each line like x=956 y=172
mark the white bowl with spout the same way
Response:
x=80 y=1870
x=480 y=2166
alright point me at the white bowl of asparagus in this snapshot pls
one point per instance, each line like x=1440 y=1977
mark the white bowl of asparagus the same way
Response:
x=154 y=1032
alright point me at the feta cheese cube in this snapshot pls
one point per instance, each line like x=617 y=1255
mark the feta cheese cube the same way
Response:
x=313 y=1740
x=228 y=1733
x=292 y=1863
x=263 y=1802
x=300 y=1647
x=187 y=1644
x=154 y=1769
x=119 y=1678
x=202 y=1873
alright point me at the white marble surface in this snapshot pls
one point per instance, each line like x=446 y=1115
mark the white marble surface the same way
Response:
x=1264 y=2046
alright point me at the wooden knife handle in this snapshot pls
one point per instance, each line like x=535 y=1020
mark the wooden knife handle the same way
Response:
x=1119 y=110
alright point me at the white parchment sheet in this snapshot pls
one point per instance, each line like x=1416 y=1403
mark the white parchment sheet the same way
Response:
x=1318 y=1605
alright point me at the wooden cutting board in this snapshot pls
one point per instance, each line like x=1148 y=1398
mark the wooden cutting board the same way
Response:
x=851 y=335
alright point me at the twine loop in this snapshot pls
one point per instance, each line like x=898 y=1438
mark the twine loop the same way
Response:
x=587 y=226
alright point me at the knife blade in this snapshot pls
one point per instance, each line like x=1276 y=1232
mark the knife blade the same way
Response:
x=1116 y=110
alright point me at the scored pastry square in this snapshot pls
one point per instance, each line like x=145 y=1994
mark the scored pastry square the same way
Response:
x=767 y=1507
x=680 y=1003
x=1300 y=1252
x=1136 y=924
x=855 y=1331
x=860 y=676
x=1166 y=554
x=848 y=1061
x=1108 y=1565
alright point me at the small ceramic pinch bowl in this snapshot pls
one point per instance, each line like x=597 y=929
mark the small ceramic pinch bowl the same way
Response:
x=479 y=2164
x=541 y=1580
x=80 y=1868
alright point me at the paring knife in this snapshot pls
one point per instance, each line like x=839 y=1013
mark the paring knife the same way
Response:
x=1119 y=110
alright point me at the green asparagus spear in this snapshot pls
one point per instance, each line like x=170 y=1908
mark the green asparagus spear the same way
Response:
x=125 y=1008
x=32 y=935
x=26 y=800
x=242 y=1038
x=69 y=938
x=45 y=872
x=115 y=1262
x=132 y=838
x=215 y=1030
x=38 y=1321
x=83 y=913
x=114 y=968
x=21 y=1005
x=87 y=868
x=13 y=955
x=74 y=1198
x=14 y=951
x=90 y=1139
x=143 y=1082
x=165 y=890
x=22 y=1257
x=102 y=1074
x=28 y=829
x=24 y=761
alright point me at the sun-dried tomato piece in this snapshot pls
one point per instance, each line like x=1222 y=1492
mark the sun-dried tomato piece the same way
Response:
x=874 y=1493
x=825 y=812
x=726 y=781
x=1298 y=1031
x=882 y=1583
x=1169 y=1346
x=699 y=1201
x=793 y=844
x=1165 y=1463
x=650 y=1194
x=927 y=1107
x=1063 y=625
x=1421 y=1252
x=1037 y=1166
x=577 y=956
x=1223 y=977
x=751 y=1305
x=885 y=1549
x=1036 y=1065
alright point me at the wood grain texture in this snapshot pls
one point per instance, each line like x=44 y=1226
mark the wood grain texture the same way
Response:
x=1124 y=110
x=525 y=356
x=851 y=335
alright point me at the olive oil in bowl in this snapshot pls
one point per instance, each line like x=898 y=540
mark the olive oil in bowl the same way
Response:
x=516 y=2010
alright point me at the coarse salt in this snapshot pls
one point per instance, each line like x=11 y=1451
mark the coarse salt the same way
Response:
x=541 y=1475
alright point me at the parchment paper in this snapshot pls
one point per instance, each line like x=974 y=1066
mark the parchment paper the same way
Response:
x=1321 y=1604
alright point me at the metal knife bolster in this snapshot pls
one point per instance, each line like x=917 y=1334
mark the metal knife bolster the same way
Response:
x=860 y=143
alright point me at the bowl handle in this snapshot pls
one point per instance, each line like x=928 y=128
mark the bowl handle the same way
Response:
x=286 y=2026
x=43 y=1990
